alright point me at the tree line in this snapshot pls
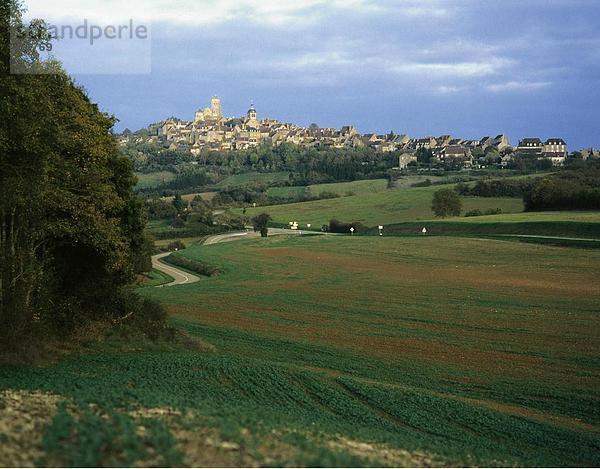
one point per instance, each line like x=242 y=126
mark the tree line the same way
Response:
x=576 y=187
x=71 y=229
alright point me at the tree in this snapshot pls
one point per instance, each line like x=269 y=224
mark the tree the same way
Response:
x=179 y=204
x=424 y=155
x=260 y=223
x=446 y=203
x=71 y=230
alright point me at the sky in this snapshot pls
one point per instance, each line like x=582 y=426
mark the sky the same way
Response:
x=469 y=68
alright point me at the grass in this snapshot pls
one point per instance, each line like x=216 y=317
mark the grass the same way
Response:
x=246 y=178
x=149 y=180
x=374 y=208
x=206 y=196
x=585 y=225
x=487 y=355
x=155 y=278
x=340 y=188
x=428 y=350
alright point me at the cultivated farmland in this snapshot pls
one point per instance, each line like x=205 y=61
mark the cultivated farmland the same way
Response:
x=329 y=350
x=467 y=351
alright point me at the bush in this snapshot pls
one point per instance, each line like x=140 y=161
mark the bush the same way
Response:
x=474 y=213
x=336 y=226
x=495 y=188
x=567 y=190
x=176 y=245
x=445 y=203
x=197 y=267
x=261 y=222
x=328 y=195
x=159 y=209
x=177 y=223
x=493 y=211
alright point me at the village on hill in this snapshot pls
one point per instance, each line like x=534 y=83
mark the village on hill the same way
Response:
x=210 y=130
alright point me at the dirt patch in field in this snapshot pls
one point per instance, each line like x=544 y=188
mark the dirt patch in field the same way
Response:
x=377 y=453
x=24 y=416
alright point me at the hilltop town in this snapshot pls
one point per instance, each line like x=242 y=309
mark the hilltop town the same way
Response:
x=211 y=131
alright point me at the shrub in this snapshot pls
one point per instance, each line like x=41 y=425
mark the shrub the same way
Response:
x=260 y=223
x=493 y=211
x=197 y=267
x=177 y=223
x=474 y=213
x=176 y=245
x=445 y=203
x=328 y=195
x=336 y=226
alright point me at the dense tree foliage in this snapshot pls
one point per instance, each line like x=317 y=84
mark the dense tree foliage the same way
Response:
x=306 y=165
x=495 y=188
x=71 y=231
x=261 y=223
x=576 y=187
x=446 y=203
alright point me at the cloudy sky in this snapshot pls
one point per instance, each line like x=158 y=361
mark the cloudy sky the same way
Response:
x=465 y=67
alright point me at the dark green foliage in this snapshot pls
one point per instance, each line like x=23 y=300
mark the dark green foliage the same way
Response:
x=496 y=188
x=176 y=245
x=474 y=213
x=535 y=228
x=178 y=222
x=159 y=209
x=478 y=213
x=424 y=155
x=446 y=203
x=526 y=163
x=179 y=204
x=569 y=189
x=71 y=230
x=192 y=265
x=261 y=222
x=336 y=226
x=305 y=165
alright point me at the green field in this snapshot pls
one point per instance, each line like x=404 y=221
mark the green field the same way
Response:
x=350 y=351
x=373 y=208
x=367 y=186
x=247 y=178
x=149 y=180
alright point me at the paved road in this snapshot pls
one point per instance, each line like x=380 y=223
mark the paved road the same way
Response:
x=238 y=235
x=179 y=276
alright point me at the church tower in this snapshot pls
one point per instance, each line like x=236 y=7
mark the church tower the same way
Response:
x=252 y=113
x=215 y=105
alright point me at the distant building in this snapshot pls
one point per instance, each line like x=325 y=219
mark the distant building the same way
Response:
x=501 y=142
x=405 y=159
x=590 y=153
x=531 y=146
x=556 y=150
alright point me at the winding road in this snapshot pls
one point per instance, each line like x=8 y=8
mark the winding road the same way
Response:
x=181 y=277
